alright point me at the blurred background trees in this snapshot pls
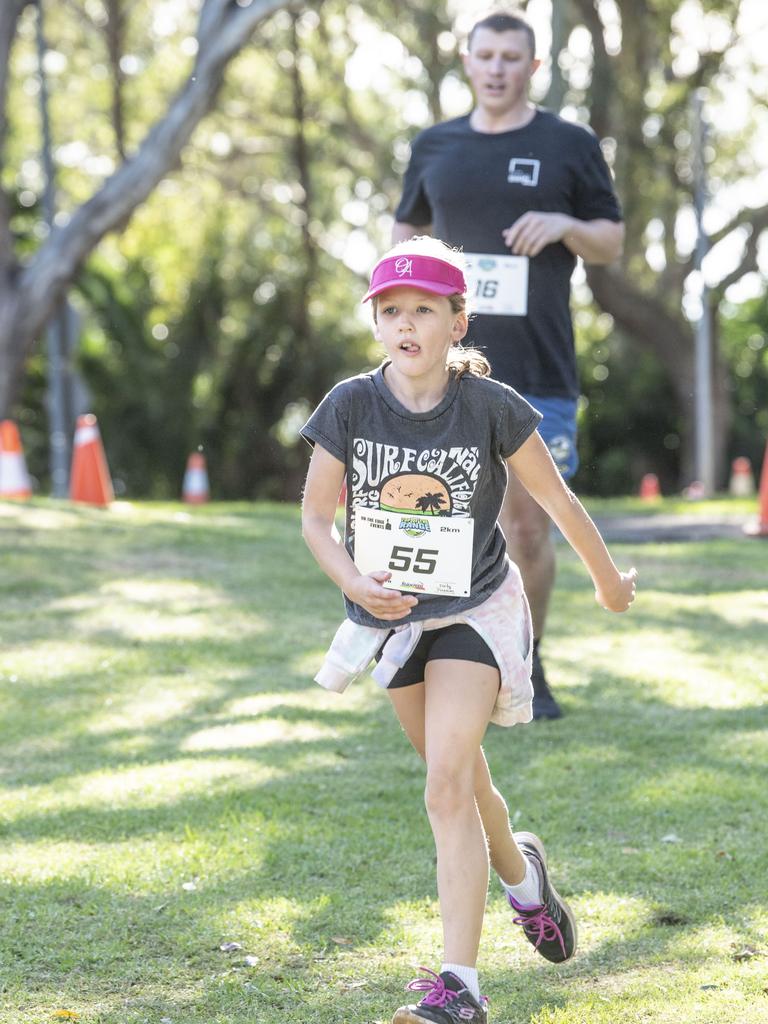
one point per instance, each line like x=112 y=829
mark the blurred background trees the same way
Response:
x=632 y=70
x=228 y=304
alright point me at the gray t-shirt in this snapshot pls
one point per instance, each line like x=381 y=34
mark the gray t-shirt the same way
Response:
x=448 y=461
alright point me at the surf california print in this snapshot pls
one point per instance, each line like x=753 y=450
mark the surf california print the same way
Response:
x=426 y=482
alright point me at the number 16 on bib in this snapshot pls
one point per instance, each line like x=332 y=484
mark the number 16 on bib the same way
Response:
x=425 y=554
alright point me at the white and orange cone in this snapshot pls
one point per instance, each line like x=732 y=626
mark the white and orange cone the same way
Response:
x=14 y=478
x=90 y=482
x=195 y=489
x=742 y=482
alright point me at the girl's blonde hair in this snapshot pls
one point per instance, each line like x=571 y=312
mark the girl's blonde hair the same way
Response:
x=467 y=360
x=461 y=360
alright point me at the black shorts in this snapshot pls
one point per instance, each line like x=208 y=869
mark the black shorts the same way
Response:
x=459 y=642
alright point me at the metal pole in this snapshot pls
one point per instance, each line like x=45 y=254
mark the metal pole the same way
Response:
x=705 y=448
x=55 y=337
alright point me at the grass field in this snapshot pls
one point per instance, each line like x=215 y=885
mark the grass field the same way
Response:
x=172 y=781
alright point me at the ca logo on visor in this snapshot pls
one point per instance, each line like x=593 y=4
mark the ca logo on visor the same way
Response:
x=403 y=266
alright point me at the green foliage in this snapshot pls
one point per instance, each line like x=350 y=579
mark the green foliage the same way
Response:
x=224 y=312
x=637 y=88
x=142 y=379
x=745 y=345
x=230 y=302
x=628 y=424
x=231 y=374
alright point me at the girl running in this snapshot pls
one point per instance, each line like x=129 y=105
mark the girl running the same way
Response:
x=426 y=443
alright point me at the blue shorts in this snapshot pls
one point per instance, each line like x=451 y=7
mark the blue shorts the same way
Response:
x=558 y=430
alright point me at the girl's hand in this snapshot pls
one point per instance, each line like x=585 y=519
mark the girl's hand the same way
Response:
x=368 y=592
x=620 y=595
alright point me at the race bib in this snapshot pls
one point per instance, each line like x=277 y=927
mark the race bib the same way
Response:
x=497 y=285
x=425 y=554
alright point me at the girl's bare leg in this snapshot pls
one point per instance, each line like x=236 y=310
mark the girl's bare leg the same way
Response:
x=506 y=858
x=446 y=718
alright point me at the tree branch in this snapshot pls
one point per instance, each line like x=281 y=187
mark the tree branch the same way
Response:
x=224 y=28
x=562 y=23
x=755 y=215
x=115 y=31
x=75 y=7
x=602 y=85
x=748 y=260
x=642 y=316
x=752 y=215
x=10 y=12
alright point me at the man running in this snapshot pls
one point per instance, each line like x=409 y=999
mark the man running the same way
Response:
x=524 y=193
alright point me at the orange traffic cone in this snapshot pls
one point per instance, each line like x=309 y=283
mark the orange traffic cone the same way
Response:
x=760 y=527
x=194 y=489
x=742 y=482
x=14 y=478
x=649 y=487
x=89 y=481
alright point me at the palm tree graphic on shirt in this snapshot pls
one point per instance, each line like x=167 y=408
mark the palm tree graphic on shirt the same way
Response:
x=430 y=503
x=420 y=494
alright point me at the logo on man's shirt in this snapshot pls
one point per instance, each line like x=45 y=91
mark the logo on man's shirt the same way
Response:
x=523 y=171
x=403 y=266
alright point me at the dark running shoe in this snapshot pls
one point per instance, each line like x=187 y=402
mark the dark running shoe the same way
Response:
x=549 y=926
x=447 y=1001
x=544 y=704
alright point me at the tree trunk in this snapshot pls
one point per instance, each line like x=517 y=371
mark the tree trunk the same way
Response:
x=721 y=403
x=562 y=24
x=647 y=323
x=8 y=314
x=115 y=31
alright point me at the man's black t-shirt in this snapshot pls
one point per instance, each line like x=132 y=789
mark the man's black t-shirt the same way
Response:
x=470 y=186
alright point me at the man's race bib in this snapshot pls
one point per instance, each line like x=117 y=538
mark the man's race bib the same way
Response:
x=497 y=285
x=425 y=554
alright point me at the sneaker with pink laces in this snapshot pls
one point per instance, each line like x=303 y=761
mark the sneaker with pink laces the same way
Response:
x=447 y=1001
x=550 y=925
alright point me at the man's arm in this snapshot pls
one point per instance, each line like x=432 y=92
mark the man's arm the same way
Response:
x=402 y=231
x=596 y=241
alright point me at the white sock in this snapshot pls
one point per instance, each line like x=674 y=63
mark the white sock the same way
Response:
x=528 y=892
x=467 y=974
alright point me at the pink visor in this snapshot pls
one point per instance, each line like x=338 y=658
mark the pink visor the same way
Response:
x=425 y=272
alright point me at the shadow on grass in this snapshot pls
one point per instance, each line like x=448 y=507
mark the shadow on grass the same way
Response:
x=603 y=787
x=312 y=857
